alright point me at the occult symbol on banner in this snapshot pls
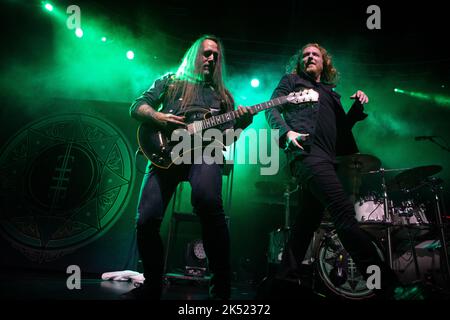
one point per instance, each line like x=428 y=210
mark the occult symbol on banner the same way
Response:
x=65 y=180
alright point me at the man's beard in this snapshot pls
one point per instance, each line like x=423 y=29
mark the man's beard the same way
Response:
x=313 y=72
x=207 y=74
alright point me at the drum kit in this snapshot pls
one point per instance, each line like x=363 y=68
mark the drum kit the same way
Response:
x=390 y=209
x=377 y=208
x=394 y=211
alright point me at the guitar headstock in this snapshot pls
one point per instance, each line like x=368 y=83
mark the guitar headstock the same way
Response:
x=306 y=95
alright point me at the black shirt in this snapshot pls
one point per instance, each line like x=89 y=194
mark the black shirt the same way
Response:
x=336 y=137
x=324 y=145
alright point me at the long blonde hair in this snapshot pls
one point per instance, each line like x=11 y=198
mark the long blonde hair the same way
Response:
x=189 y=75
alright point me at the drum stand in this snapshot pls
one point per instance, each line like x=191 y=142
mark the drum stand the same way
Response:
x=389 y=220
x=387 y=216
x=414 y=253
x=436 y=188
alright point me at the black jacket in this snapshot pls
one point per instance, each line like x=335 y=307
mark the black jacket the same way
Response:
x=303 y=118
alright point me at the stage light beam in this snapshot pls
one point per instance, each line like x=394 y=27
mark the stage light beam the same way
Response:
x=438 y=99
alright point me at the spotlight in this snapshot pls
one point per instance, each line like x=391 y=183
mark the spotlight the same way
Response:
x=254 y=83
x=130 y=55
x=79 y=32
x=48 y=6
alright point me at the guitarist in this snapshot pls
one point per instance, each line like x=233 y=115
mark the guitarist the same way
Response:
x=199 y=82
x=313 y=136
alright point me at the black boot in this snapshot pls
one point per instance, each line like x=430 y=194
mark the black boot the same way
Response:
x=151 y=252
x=219 y=288
x=216 y=242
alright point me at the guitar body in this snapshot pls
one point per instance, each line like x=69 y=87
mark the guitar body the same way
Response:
x=155 y=143
x=154 y=140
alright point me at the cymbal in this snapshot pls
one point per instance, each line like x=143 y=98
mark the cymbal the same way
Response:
x=359 y=163
x=412 y=178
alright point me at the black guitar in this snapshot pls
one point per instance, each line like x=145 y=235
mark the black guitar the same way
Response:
x=154 y=141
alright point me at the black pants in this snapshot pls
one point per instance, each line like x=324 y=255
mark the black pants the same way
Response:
x=321 y=188
x=157 y=189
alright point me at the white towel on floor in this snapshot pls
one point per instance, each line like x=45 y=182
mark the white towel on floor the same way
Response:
x=125 y=275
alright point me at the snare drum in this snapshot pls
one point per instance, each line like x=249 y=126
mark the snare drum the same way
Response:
x=370 y=210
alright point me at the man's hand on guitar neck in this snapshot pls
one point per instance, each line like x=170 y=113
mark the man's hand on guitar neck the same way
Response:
x=243 y=117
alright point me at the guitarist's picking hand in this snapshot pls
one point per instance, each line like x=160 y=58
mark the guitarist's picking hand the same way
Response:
x=168 y=117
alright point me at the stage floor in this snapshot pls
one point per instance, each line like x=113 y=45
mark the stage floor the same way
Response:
x=47 y=286
x=39 y=285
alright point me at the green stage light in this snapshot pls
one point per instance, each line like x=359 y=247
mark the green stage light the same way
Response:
x=442 y=100
x=79 y=32
x=48 y=6
x=130 y=55
x=254 y=83
x=103 y=39
x=439 y=99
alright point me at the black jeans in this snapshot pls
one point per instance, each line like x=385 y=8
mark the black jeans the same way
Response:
x=321 y=188
x=157 y=189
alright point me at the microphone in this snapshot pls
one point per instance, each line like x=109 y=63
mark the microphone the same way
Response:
x=424 y=138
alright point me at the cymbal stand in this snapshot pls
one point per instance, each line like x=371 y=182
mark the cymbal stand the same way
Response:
x=436 y=187
x=387 y=216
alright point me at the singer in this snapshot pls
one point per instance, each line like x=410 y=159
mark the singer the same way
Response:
x=312 y=137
